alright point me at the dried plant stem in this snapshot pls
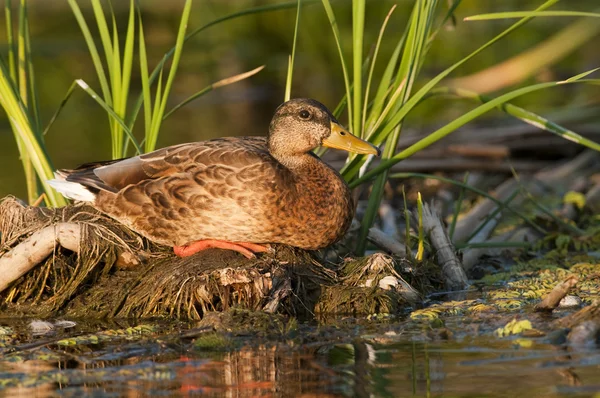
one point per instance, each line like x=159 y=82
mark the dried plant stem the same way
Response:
x=452 y=269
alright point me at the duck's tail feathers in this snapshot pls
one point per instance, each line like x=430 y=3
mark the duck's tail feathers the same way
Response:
x=70 y=189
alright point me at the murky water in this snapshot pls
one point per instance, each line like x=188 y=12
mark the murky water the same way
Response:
x=167 y=360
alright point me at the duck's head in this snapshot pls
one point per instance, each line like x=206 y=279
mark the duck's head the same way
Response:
x=301 y=125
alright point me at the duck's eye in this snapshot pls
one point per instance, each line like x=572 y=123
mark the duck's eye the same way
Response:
x=304 y=114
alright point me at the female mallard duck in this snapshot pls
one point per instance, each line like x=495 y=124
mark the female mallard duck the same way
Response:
x=235 y=193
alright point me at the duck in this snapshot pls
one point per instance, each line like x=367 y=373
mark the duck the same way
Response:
x=235 y=193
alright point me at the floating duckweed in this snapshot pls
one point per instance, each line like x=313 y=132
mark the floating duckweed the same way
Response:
x=510 y=304
x=478 y=308
x=525 y=343
x=129 y=334
x=503 y=294
x=425 y=314
x=513 y=327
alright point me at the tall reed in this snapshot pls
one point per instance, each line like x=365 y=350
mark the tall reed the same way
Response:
x=379 y=116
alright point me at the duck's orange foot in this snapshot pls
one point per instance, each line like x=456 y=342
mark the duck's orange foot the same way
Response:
x=247 y=249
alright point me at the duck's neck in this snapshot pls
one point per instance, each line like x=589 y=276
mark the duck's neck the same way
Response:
x=299 y=163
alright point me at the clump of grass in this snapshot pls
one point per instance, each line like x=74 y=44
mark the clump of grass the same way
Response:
x=18 y=98
x=379 y=116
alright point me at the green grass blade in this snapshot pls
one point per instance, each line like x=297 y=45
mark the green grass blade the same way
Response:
x=127 y=67
x=27 y=139
x=336 y=36
x=459 y=122
x=111 y=113
x=581 y=75
x=150 y=139
x=255 y=10
x=210 y=87
x=10 y=41
x=358 y=33
x=151 y=143
x=60 y=107
x=372 y=67
x=421 y=233
x=525 y=115
x=413 y=52
x=398 y=117
x=25 y=90
x=34 y=105
x=384 y=88
x=115 y=80
x=352 y=168
x=144 y=77
x=530 y=14
x=105 y=39
x=85 y=30
x=290 y=71
x=22 y=57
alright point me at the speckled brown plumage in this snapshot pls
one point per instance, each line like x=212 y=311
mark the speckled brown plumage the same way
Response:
x=246 y=189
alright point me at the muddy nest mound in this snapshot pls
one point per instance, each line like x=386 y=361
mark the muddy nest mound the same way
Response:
x=76 y=261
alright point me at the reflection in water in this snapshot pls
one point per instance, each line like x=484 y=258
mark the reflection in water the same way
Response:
x=352 y=368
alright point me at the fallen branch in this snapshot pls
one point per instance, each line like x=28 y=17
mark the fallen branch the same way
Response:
x=36 y=248
x=455 y=277
x=385 y=242
x=552 y=300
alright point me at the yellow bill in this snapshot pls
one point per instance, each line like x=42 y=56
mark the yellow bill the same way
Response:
x=340 y=138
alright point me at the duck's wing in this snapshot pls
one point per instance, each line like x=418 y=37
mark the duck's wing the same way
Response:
x=113 y=176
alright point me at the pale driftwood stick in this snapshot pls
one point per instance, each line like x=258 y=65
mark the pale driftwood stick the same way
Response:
x=452 y=269
x=386 y=242
x=552 y=299
x=36 y=248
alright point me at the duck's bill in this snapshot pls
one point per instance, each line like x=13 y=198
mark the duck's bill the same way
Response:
x=342 y=139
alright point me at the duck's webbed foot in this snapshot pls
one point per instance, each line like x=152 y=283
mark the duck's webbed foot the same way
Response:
x=247 y=249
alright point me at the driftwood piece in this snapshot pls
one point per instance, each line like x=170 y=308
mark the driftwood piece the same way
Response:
x=35 y=249
x=552 y=299
x=386 y=242
x=584 y=326
x=455 y=277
